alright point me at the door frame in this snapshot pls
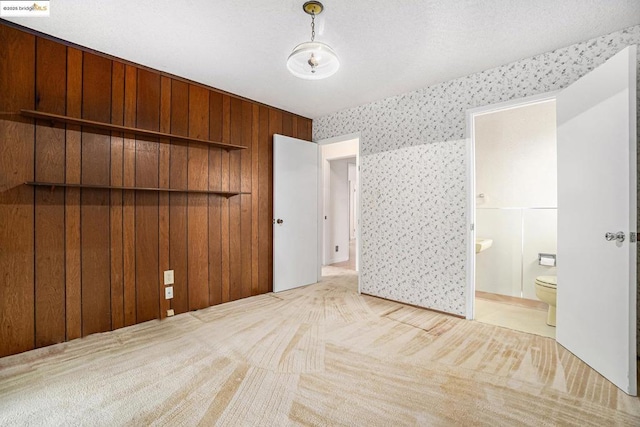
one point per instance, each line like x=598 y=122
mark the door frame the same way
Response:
x=470 y=159
x=321 y=231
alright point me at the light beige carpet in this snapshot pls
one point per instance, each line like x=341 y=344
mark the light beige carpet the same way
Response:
x=321 y=355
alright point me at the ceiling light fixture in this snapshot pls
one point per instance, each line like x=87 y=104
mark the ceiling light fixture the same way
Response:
x=313 y=60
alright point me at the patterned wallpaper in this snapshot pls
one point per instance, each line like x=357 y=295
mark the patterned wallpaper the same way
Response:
x=413 y=205
x=413 y=169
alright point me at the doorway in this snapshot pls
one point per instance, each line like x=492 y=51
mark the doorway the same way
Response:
x=339 y=210
x=339 y=204
x=513 y=177
x=516 y=216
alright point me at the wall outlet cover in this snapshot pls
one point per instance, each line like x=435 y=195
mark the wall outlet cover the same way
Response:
x=168 y=292
x=168 y=277
x=170 y=312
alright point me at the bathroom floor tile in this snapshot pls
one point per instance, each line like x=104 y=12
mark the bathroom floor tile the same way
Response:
x=514 y=317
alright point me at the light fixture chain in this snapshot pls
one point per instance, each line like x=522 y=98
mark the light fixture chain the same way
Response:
x=313 y=26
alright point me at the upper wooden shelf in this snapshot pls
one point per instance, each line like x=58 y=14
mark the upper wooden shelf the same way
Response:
x=125 y=129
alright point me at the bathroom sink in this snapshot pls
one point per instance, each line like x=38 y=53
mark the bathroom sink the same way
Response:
x=483 y=244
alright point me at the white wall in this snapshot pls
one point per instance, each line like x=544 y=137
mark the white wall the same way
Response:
x=425 y=129
x=516 y=172
x=353 y=200
x=516 y=160
x=338 y=218
x=510 y=265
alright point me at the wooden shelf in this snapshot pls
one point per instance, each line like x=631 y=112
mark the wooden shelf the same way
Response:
x=117 y=128
x=53 y=185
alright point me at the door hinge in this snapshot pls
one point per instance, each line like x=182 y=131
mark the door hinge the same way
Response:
x=633 y=237
x=472 y=227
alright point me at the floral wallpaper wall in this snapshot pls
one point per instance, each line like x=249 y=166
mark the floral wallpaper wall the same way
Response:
x=413 y=170
x=414 y=241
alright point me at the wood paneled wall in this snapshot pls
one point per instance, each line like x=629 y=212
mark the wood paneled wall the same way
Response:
x=78 y=261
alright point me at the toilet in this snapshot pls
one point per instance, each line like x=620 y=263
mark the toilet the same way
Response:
x=546 y=292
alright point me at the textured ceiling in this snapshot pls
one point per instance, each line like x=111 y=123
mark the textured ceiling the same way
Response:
x=386 y=47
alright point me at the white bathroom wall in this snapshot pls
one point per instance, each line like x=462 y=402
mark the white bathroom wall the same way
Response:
x=516 y=173
x=516 y=162
x=499 y=268
x=510 y=265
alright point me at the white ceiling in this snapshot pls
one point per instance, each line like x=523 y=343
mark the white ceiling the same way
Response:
x=385 y=47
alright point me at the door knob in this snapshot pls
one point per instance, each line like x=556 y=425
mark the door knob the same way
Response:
x=279 y=221
x=619 y=236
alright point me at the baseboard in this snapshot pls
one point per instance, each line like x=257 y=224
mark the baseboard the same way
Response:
x=522 y=302
x=337 y=260
x=415 y=306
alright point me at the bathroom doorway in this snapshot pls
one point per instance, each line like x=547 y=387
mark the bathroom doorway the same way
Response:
x=515 y=202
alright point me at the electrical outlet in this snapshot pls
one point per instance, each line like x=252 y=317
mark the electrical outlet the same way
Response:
x=168 y=277
x=336 y=248
x=168 y=292
x=170 y=312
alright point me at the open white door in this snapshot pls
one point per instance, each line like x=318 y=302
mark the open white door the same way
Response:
x=596 y=317
x=295 y=213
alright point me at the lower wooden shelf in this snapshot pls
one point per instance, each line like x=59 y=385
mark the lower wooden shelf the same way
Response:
x=53 y=185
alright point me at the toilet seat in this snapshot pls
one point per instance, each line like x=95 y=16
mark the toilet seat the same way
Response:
x=547 y=281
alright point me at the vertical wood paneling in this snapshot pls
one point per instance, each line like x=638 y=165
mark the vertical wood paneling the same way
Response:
x=304 y=128
x=76 y=262
x=198 y=259
x=72 y=197
x=226 y=138
x=237 y=137
x=215 y=214
x=147 y=218
x=235 y=249
x=128 y=207
x=308 y=134
x=17 y=68
x=163 y=198
x=117 y=178
x=51 y=70
x=299 y=128
x=255 y=139
x=244 y=239
x=294 y=127
x=245 y=201
x=178 y=201
x=94 y=210
x=224 y=202
x=287 y=124
x=265 y=215
x=245 y=155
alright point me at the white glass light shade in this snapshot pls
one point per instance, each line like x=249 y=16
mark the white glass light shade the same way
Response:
x=305 y=54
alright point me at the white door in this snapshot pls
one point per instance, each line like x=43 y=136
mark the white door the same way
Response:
x=596 y=317
x=295 y=213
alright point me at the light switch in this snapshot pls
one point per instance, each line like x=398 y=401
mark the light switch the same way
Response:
x=168 y=292
x=168 y=277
